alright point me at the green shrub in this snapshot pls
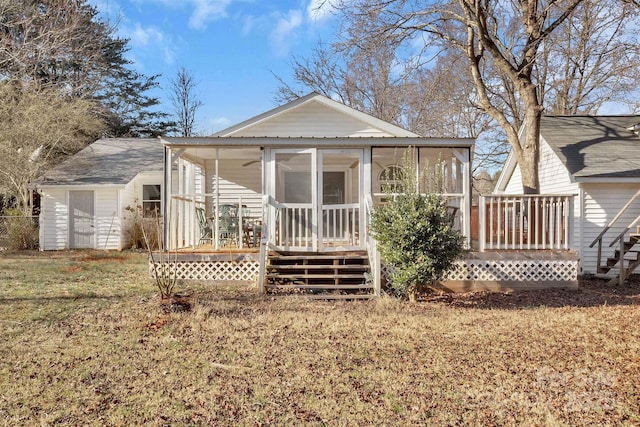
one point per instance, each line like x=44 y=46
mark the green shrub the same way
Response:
x=22 y=232
x=415 y=236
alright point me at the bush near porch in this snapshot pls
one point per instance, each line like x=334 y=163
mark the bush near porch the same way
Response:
x=85 y=343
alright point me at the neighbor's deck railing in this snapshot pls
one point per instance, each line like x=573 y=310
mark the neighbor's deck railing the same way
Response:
x=525 y=222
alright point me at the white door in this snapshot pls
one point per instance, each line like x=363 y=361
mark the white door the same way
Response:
x=339 y=199
x=81 y=226
x=293 y=188
x=316 y=199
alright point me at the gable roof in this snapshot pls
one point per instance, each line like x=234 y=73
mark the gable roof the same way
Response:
x=255 y=125
x=594 y=146
x=108 y=161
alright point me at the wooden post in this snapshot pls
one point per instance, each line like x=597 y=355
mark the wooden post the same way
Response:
x=621 y=278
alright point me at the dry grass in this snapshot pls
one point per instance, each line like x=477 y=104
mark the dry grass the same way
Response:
x=85 y=343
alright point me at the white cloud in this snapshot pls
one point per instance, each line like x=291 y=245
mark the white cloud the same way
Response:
x=140 y=36
x=281 y=36
x=207 y=10
x=320 y=9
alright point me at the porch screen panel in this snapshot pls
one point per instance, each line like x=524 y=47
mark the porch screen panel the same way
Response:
x=293 y=189
x=340 y=199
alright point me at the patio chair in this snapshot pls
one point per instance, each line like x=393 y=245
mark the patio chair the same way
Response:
x=228 y=225
x=205 y=229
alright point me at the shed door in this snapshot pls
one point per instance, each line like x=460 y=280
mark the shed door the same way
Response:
x=81 y=227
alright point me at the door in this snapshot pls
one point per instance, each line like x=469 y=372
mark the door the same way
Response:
x=81 y=227
x=339 y=199
x=316 y=196
x=293 y=178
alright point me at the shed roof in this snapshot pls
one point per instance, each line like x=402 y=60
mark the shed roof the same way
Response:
x=595 y=146
x=108 y=161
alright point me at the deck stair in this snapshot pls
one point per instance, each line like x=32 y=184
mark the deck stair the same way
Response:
x=338 y=275
x=628 y=254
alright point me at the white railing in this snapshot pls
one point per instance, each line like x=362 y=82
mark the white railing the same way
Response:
x=340 y=225
x=185 y=230
x=372 y=247
x=525 y=222
x=293 y=226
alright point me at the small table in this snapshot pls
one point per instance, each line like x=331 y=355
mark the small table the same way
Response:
x=252 y=228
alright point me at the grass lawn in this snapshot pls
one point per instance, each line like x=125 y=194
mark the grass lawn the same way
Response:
x=84 y=342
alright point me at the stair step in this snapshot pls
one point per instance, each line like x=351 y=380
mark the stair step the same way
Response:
x=314 y=276
x=339 y=296
x=320 y=287
x=315 y=256
x=319 y=267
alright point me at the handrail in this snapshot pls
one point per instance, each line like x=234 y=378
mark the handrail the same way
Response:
x=619 y=238
x=615 y=219
x=626 y=230
x=372 y=247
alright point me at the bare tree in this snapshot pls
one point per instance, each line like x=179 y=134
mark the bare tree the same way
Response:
x=38 y=130
x=592 y=60
x=435 y=99
x=185 y=101
x=513 y=60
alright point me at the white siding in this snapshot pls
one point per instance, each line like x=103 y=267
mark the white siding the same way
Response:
x=601 y=204
x=514 y=186
x=554 y=176
x=54 y=221
x=236 y=180
x=312 y=120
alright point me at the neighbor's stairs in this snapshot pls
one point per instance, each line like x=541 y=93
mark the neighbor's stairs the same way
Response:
x=339 y=275
x=630 y=255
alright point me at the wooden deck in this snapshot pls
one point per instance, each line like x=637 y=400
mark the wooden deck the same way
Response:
x=496 y=271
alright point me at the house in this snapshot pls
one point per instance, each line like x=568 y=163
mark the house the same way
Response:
x=284 y=200
x=84 y=199
x=597 y=159
x=302 y=180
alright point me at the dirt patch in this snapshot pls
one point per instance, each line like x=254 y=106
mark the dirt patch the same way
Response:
x=591 y=292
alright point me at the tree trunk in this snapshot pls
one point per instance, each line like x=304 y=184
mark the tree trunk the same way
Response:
x=529 y=156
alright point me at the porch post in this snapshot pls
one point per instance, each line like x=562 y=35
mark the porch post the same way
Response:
x=466 y=190
x=216 y=228
x=167 y=199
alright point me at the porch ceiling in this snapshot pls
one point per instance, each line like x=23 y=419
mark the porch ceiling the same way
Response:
x=222 y=153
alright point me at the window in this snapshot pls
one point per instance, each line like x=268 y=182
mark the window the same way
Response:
x=151 y=198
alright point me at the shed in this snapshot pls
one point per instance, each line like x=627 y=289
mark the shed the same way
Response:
x=87 y=200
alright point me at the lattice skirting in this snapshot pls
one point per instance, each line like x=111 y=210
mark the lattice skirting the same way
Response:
x=501 y=274
x=210 y=270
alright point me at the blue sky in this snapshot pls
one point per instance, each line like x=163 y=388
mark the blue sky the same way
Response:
x=232 y=47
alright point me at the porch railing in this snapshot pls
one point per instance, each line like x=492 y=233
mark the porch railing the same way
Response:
x=184 y=229
x=525 y=222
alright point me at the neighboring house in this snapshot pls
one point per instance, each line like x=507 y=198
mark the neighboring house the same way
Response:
x=595 y=158
x=84 y=199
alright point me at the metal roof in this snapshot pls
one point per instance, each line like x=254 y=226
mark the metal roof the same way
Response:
x=314 y=142
x=595 y=146
x=108 y=161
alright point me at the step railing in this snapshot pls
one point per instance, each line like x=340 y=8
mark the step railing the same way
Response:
x=372 y=247
x=619 y=238
x=525 y=222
